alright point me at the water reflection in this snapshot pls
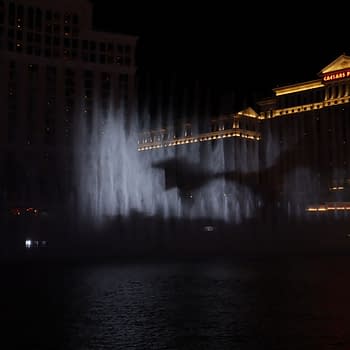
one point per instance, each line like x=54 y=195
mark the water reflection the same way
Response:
x=274 y=303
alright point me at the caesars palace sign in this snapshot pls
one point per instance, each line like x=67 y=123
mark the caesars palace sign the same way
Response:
x=342 y=74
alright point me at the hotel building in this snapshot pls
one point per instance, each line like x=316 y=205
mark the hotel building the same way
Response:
x=54 y=66
x=301 y=135
x=305 y=129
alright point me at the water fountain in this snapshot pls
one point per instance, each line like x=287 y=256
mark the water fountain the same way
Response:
x=114 y=179
x=118 y=185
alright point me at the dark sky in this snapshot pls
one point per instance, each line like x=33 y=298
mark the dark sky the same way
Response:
x=240 y=47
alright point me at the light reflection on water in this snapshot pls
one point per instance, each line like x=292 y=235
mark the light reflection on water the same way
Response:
x=274 y=303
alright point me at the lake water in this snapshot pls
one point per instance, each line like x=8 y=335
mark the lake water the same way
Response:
x=269 y=302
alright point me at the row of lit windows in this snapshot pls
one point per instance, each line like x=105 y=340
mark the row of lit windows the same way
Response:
x=35 y=17
x=69 y=54
x=89 y=76
x=55 y=40
x=35 y=48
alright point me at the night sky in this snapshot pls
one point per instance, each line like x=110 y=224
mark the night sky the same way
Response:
x=232 y=48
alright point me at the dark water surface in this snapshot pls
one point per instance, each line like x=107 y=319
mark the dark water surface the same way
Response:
x=249 y=303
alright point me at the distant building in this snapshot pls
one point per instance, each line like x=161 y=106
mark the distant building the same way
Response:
x=53 y=67
x=305 y=129
x=304 y=144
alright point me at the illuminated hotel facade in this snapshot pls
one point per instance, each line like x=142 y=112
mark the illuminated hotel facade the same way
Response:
x=54 y=67
x=309 y=125
x=301 y=135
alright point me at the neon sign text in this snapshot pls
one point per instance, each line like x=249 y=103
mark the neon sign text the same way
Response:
x=337 y=75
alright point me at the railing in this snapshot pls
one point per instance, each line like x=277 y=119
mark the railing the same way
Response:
x=210 y=136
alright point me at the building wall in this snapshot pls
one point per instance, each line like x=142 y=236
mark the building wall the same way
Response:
x=305 y=144
x=54 y=67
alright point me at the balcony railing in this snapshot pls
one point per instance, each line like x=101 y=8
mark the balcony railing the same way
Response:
x=151 y=143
